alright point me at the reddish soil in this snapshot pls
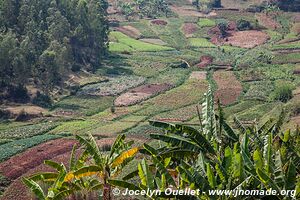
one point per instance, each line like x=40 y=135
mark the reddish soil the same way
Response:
x=18 y=191
x=30 y=110
x=141 y=93
x=189 y=29
x=159 y=22
x=205 y=61
x=268 y=21
x=199 y=75
x=246 y=39
x=129 y=31
x=229 y=88
x=23 y=162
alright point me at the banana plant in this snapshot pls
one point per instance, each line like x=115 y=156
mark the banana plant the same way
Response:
x=156 y=176
x=84 y=175
x=59 y=181
x=106 y=166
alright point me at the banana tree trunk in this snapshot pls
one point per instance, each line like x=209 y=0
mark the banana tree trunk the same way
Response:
x=107 y=192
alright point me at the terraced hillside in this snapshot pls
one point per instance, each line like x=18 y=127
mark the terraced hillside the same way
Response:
x=160 y=69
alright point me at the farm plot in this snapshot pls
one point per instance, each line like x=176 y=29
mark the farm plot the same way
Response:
x=12 y=148
x=190 y=11
x=229 y=88
x=241 y=107
x=75 y=127
x=198 y=75
x=129 y=31
x=179 y=115
x=21 y=163
x=153 y=41
x=30 y=110
x=143 y=130
x=171 y=33
x=286 y=58
x=201 y=43
x=206 y=22
x=26 y=131
x=287 y=46
x=256 y=112
x=189 y=29
x=247 y=39
x=189 y=93
x=121 y=42
x=173 y=76
x=140 y=94
x=82 y=104
x=116 y=127
x=267 y=21
x=113 y=87
x=259 y=90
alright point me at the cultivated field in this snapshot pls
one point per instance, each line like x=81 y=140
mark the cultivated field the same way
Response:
x=160 y=70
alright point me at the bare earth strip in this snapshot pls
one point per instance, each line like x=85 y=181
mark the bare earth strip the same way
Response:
x=229 y=88
x=18 y=191
x=247 y=39
x=141 y=93
x=18 y=165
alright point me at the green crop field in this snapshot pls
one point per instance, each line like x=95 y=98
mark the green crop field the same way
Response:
x=201 y=42
x=204 y=22
x=125 y=43
x=71 y=70
x=12 y=148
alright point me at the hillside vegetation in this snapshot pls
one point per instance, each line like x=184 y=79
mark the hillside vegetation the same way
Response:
x=220 y=85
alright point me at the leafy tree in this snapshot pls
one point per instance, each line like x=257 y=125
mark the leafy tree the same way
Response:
x=243 y=25
x=223 y=27
x=288 y=5
x=74 y=32
x=127 y=9
x=206 y=5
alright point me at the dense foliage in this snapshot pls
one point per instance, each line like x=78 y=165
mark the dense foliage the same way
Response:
x=41 y=41
x=144 y=8
x=214 y=157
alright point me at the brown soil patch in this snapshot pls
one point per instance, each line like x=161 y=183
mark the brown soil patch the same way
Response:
x=23 y=162
x=129 y=31
x=31 y=110
x=229 y=88
x=198 y=75
x=141 y=93
x=189 y=29
x=267 y=21
x=190 y=11
x=159 y=22
x=205 y=61
x=153 y=41
x=18 y=191
x=247 y=39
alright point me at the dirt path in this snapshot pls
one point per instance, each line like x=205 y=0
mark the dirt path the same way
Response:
x=229 y=88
